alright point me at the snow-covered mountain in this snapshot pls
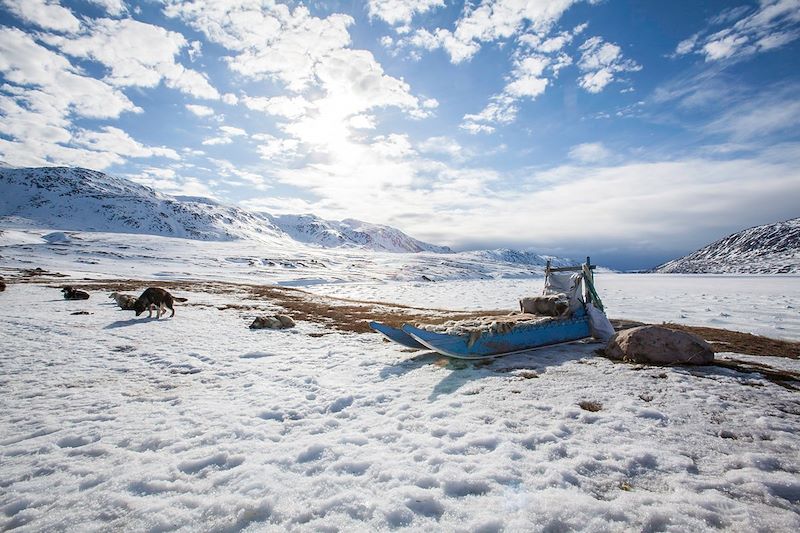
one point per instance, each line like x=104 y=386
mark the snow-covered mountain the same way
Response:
x=86 y=200
x=334 y=233
x=521 y=257
x=768 y=249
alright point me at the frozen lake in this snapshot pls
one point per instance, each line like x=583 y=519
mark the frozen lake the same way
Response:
x=764 y=305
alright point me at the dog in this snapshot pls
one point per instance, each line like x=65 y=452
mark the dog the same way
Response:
x=71 y=293
x=157 y=298
x=272 y=322
x=125 y=301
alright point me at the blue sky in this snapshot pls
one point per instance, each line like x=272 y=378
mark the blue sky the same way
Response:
x=631 y=131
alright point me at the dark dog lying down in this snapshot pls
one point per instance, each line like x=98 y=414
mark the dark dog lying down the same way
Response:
x=71 y=293
x=158 y=299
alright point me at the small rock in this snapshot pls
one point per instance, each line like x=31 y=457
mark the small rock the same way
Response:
x=659 y=345
x=81 y=313
x=590 y=406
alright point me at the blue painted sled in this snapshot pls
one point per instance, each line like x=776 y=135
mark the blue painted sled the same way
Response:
x=397 y=335
x=521 y=339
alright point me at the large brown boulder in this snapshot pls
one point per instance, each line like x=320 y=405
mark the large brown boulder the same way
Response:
x=659 y=345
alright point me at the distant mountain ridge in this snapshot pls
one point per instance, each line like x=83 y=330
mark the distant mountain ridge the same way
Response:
x=87 y=200
x=310 y=228
x=767 y=249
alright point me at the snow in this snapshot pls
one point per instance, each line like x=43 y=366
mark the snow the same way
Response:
x=197 y=422
x=763 y=305
x=768 y=249
x=86 y=200
x=285 y=261
x=111 y=422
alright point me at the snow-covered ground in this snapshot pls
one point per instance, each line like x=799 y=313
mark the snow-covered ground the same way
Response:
x=108 y=422
x=764 y=305
x=198 y=423
x=98 y=254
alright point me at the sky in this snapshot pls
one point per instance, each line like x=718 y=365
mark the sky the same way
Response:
x=634 y=132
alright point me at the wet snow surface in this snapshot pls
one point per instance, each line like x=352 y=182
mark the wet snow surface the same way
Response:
x=109 y=422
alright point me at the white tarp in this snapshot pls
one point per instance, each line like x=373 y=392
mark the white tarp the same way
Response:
x=599 y=324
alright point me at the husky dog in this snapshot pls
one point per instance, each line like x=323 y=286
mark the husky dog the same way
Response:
x=157 y=298
x=272 y=322
x=71 y=293
x=125 y=301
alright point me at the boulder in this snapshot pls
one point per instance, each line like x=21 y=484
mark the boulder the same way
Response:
x=659 y=345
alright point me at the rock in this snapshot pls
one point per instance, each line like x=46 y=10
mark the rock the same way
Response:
x=272 y=322
x=2 y=286
x=659 y=345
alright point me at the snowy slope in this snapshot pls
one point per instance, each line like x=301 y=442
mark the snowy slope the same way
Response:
x=312 y=229
x=768 y=249
x=86 y=200
x=81 y=199
x=520 y=257
x=196 y=423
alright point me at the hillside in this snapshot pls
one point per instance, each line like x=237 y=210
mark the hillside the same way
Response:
x=768 y=249
x=311 y=229
x=79 y=199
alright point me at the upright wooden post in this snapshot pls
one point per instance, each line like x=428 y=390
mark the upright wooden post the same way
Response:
x=587 y=271
x=546 y=276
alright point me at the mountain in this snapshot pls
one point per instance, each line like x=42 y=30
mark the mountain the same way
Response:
x=349 y=232
x=86 y=200
x=768 y=249
x=521 y=257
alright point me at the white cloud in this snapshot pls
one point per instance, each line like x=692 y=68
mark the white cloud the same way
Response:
x=601 y=61
x=232 y=131
x=115 y=140
x=167 y=181
x=442 y=145
x=272 y=148
x=775 y=111
x=400 y=11
x=46 y=14
x=137 y=54
x=216 y=141
x=310 y=56
x=200 y=110
x=475 y=128
x=527 y=80
x=362 y=122
x=236 y=175
x=283 y=106
x=113 y=7
x=25 y=63
x=491 y=21
x=41 y=98
x=589 y=152
x=773 y=24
